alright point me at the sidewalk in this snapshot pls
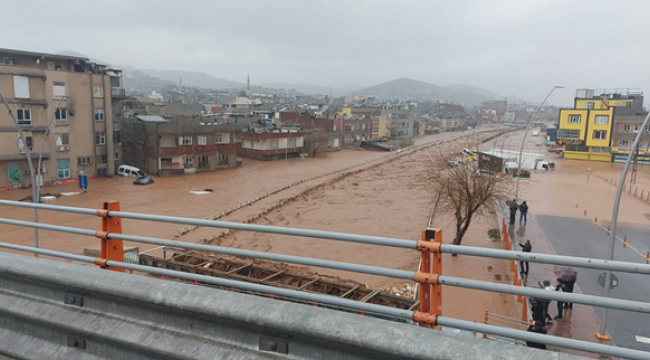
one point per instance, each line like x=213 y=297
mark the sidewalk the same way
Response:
x=581 y=322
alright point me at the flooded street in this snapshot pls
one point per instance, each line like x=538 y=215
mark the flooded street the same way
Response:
x=385 y=198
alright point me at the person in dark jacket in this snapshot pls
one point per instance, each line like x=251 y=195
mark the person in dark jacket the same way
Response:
x=513 y=212
x=546 y=285
x=559 y=286
x=568 y=287
x=526 y=247
x=523 y=212
x=537 y=327
x=538 y=309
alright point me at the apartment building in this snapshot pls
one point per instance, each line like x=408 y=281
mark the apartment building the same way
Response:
x=179 y=146
x=602 y=125
x=402 y=120
x=73 y=92
x=266 y=141
x=354 y=125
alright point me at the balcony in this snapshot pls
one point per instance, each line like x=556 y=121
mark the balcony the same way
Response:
x=118 y=93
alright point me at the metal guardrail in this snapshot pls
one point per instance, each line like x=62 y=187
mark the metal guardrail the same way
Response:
x=49 y=311
x=429 y=276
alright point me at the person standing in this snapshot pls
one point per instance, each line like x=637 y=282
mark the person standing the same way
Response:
x=546 y=285
x=568 y=287
x=523 y=212
x=537 y=308
x=588 y=173
x=526 y=247
x=536 y=327
x=513 y=211
x=559 y=285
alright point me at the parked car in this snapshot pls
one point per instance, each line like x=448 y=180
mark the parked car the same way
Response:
x=485 y=173
x=128 y=170
x=455 y=162
x=143 y=180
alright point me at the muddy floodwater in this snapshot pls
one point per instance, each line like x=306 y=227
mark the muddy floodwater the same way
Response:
x=388 y=197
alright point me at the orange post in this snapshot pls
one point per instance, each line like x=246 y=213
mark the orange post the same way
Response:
x=524 y=311
x=625 y=241
x=111 y=249
x=431 y=266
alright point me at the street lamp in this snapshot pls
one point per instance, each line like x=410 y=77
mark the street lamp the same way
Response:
x=602 y=335
x=521 y=150
x=28 y=154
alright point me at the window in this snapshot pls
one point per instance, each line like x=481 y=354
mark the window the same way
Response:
x=21 y=87
x=84 y=160
x=624 y=143
x=625 y=127
x=62 y=142
x=574 y=119
x=589 y=105
x=218 y=139
x=99 y=114
x=102 y=159
x=117 y=136
x=117 y=156
x=187 y=140
x=334 y=127
x=28 y=138
x=98 y=91
x=61 y=114
x=59 y=90
x=600 y=149
x=204 y=161
x=601 y=119
x=8 y=61
x=636 y=128
x=224 y=159
x=274 y=144
x=291 y=143
x=24 y=116
x=188 y=162
x=202 y=140
x=600 y=135
x=63 y=168
x=100 y=138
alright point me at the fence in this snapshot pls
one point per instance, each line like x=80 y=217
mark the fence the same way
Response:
x=624 y=242
x=429 y=276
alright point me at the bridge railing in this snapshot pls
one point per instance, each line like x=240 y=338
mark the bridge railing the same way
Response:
x=429 y=276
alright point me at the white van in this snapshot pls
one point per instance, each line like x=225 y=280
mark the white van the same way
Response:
x=128 y=170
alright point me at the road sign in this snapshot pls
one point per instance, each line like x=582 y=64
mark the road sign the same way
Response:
x=613 y=282
x=83 y=182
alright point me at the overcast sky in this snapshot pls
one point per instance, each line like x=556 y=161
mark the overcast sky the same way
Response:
x=513 y=47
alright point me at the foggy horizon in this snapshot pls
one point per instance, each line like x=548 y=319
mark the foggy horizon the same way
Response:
x=507 y=47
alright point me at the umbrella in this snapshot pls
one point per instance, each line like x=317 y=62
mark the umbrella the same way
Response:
x=565 y=273
x=512 y=203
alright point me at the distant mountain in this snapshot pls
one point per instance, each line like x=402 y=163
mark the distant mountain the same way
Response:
x=409 y=89
x=193 y=78
x=314 y=89
x=135 y=79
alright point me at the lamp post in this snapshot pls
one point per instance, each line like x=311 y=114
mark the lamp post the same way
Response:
x=28 y=154
x=523 y=142
x=602 y=335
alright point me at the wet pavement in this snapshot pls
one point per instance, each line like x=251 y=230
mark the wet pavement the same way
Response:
x=577 y=237
x=581 y=322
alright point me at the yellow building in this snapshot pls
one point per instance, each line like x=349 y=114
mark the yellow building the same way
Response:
x=380 y=127
x=589 y=130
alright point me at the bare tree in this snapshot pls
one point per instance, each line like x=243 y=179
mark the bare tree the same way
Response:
x=465 y=192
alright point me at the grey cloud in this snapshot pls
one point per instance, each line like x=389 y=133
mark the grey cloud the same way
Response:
x=508 y=46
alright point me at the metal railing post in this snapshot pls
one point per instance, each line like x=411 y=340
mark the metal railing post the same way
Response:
x=430 y=268
x=111 y=249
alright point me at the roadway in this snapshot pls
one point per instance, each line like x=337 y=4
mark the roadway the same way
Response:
x=580 y=237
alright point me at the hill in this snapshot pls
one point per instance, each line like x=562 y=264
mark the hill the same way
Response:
x=409 y=89
x=193 y=78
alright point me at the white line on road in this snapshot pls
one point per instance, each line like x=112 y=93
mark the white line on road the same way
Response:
x=642 y=339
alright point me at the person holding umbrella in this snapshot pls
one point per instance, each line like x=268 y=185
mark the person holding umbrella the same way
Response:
x=512 y=204
x=567 y=276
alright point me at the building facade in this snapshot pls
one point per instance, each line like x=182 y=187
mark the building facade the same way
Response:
x=354 y=125
x=167 y=147
x=402 y=121
x=72 y=92
x=602 y=125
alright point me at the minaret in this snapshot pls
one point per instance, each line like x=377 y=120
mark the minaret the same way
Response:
x=248 y=86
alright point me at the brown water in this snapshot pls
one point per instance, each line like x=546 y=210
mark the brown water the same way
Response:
x=389 y=199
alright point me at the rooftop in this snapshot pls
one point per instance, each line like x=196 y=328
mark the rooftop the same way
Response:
x=151 y=119
x=39 y=54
